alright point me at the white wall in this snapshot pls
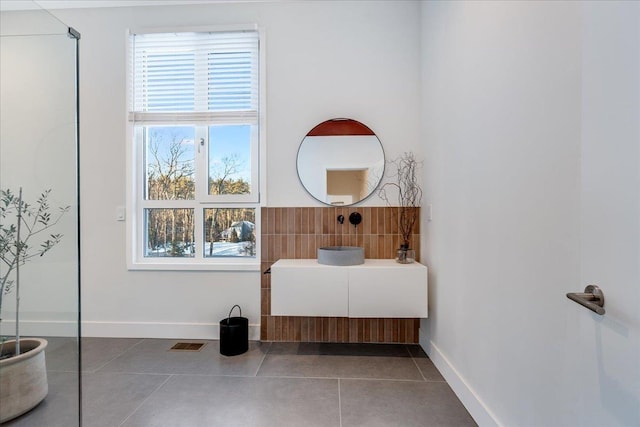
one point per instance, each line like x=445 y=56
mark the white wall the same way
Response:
x=324 y=59
x=506 y=115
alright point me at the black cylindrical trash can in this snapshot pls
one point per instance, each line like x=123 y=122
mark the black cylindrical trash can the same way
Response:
x=234 y=334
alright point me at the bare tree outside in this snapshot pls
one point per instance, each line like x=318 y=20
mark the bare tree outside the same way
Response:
x=170 y=176
x=221 y=181
x=170 y=165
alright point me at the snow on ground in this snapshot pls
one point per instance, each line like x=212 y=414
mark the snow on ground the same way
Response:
x=219 y=249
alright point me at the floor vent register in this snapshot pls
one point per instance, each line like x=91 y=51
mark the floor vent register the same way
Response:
x=187 y=346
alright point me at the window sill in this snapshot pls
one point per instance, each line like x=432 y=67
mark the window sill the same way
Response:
x=222 y=266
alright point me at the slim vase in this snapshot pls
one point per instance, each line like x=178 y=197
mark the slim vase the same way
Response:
x=405 y=256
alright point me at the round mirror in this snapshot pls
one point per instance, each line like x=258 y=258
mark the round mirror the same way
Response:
x=340 y=162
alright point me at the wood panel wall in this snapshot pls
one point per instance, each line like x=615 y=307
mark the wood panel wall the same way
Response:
x=297 y=233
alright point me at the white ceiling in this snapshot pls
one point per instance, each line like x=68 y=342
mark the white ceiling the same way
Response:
x=76 y=4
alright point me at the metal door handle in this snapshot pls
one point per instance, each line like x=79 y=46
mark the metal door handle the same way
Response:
x=592 y=298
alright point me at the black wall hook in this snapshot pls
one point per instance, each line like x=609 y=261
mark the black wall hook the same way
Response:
x=341 y=219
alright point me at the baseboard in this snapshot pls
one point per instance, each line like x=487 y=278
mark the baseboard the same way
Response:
x=469 y=398
x=202 y=331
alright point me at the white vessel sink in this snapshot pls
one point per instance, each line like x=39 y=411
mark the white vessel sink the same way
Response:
x=341 y=255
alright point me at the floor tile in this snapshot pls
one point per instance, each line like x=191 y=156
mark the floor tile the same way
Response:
x=374 y=403
x=62 y=352
x=96 y=352
x=416 y=351
x=153 y=356
x=108 y=398
x=339 y=349
x=196 y=401
x=58 y=409
x=426 y=366
x=321 y=366
x=428 y=370
x=273 y=384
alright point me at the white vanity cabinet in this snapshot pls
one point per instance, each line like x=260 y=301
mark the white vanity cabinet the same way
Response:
x=384 y=288
x=377 y=288
x=305 y=288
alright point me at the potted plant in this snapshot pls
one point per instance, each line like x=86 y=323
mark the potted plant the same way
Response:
x=406 y=188
x=23 y=375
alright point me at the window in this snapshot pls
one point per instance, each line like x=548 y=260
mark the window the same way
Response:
x=195 y=131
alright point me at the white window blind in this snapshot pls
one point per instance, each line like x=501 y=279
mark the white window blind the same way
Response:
x=194 y=76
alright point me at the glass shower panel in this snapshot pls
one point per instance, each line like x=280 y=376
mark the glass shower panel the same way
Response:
x=39 y=155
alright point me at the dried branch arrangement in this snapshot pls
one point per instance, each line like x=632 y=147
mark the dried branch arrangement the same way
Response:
x=405 y=186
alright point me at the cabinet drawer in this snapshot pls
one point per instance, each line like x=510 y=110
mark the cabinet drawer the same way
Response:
x=309 y=291
x=388 y=292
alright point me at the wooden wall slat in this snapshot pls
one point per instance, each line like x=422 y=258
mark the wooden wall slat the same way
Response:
x=298 y=233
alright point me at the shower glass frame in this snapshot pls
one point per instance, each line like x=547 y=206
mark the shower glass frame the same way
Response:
x=39 y=151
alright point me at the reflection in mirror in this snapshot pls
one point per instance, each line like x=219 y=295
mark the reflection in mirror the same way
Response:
x=340 y=162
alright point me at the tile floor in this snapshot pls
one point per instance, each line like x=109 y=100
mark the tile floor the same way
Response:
x=139 y=382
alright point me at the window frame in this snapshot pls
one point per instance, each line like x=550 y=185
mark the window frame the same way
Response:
x=136 y=179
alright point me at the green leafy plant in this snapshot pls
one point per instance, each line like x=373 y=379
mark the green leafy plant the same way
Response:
x=22 y=238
